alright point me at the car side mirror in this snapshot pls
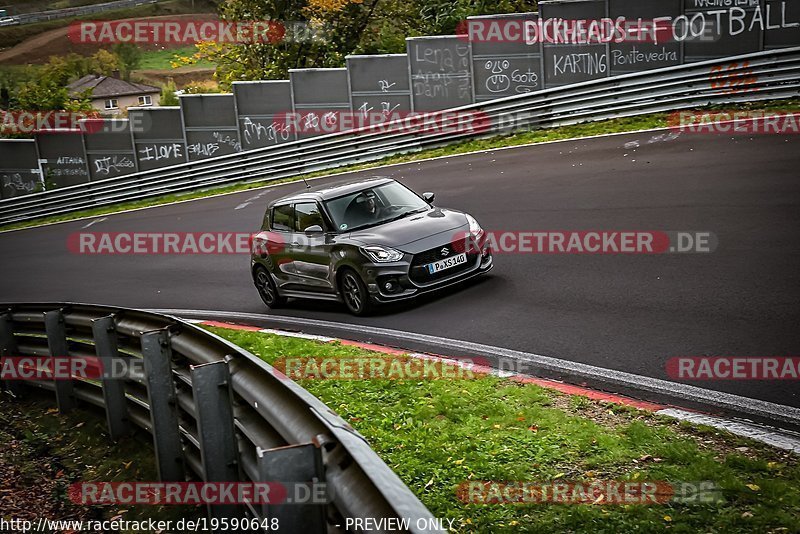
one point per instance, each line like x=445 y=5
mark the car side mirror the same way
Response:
x=428 y=197
x=313 y=230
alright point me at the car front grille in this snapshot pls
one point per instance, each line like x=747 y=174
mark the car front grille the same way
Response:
x=419 y=273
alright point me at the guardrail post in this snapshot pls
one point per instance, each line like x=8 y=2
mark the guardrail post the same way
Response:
x=57 y=342
x=157 y=355
x=298 y=466
x=105 y=342
x=8 y=348
x=219 y=450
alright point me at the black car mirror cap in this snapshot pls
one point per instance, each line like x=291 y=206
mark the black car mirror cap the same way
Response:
x=314 y=230
x=428 y=197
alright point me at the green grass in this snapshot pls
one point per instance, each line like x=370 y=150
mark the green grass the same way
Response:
x=628 y=124
x=162 y=59
x=436 y=434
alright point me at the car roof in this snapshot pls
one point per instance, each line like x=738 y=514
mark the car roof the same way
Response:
x=328 y=191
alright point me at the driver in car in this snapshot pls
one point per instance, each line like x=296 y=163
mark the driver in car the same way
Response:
x=364 y=209
x=371 y=206
x=368 y=207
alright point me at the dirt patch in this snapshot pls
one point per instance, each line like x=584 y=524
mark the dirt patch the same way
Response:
x=34 y=479
x=34 y=6
x=42 y=453
x=182 y=76
x=39 y=48
x=721 y=443
x=31 y=483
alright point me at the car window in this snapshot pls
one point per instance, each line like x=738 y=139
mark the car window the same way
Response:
x=307 y=214
x=373 y=206
x=399 y=196
x=282 y=217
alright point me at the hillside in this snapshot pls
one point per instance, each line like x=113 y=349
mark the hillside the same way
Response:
x=39 y=48
x=13 y=35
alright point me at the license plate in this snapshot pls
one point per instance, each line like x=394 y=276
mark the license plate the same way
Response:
x=447 y=263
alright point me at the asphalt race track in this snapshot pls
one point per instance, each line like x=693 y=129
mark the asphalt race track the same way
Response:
x=625 y=312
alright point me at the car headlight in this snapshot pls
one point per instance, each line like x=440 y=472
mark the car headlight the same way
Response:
x=381 y=254
x=474 y=228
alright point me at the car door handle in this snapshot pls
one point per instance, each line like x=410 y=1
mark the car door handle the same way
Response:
x=295 y=244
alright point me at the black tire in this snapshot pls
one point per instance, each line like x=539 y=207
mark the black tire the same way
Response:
x=267 y=289
x=354 y=293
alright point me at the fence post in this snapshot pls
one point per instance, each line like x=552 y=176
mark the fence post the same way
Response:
x=298 y=468
x=57 y=342
x=105 y=342
x=219 y=450
x=157 y=355
x=8 y=348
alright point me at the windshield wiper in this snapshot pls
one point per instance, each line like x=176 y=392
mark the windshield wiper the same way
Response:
x=405 y=214
x=362 y=226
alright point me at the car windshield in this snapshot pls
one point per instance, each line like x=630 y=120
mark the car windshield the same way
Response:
x=373 y=206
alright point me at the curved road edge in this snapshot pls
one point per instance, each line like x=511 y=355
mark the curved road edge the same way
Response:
x=768 y=422
x=299 y=178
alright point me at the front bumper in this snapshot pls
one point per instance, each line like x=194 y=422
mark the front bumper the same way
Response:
x=403 y=286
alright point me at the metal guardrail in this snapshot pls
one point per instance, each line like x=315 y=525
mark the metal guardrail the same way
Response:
x=216 y=410
x=763 y=76
x=39 y=16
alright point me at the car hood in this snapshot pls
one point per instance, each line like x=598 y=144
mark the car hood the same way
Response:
x=417 y=232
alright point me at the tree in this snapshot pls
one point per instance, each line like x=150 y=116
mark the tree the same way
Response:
x=33 y=96
x=63 y=69
x=168 y=96
x=319 y=33
x=129 y=56
x=104 y=63
x=46 y=87
x=43 y=96
x=331 y=29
